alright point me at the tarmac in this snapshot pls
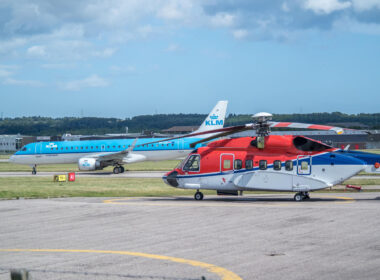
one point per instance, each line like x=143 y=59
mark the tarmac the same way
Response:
x=126 y=174
x=331 y=236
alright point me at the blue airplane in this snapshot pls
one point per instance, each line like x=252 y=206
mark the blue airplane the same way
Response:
x=98 y=154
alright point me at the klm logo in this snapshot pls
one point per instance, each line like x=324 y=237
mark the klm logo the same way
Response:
x=51 y=145
x=214 y=121
x=86 y=164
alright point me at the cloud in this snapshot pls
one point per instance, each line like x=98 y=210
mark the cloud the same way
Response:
x=240 y=33
x=36 y=51
x=173 y=48
x=29 y=83
x=69 y=30
x=107 y=52
x=326 y=6
x=91 y=81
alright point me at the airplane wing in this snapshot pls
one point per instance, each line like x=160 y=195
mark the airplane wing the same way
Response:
x=115 y=156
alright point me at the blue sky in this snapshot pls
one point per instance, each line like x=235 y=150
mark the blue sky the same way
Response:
x=122 y=58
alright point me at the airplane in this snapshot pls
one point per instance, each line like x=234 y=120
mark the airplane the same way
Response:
x=267 y=162
x=98 y=154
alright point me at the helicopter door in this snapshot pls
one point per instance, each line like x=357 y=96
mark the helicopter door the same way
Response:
x=303 y=165
x=226 y=162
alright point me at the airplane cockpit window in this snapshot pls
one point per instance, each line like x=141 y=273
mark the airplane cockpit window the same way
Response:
x=262 y=164
x=277 y=165
x=238 y=164
x=304 y=144
x=288 y=165
x=192 y=164
x=23 y=149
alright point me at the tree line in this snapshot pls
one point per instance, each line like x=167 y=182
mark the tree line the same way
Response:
x=155 y=123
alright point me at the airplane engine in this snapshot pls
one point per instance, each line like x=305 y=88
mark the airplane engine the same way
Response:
x=89 y=164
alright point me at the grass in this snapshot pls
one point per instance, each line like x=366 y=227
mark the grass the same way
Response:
x=165 y=165
x=42 y=187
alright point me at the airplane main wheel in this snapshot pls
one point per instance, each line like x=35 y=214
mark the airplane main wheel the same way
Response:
x=198 y=196
x=122 y=169
x=116 y=170
x=298 y=197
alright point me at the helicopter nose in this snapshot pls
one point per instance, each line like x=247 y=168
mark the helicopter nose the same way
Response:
x=171 y=179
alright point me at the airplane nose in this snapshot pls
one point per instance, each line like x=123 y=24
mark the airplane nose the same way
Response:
x=171 y=179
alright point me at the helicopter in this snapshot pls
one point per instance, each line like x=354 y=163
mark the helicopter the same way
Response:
x=266 y=162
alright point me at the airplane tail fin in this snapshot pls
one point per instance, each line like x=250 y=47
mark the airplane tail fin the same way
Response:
x=216 y=117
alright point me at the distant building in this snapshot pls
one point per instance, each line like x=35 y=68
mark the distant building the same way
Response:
x=12 y=143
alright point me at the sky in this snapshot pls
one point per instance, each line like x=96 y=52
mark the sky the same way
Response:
x=122 y=58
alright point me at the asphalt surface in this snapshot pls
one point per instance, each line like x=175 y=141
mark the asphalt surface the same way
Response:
x=331 y=236
x=127 y=174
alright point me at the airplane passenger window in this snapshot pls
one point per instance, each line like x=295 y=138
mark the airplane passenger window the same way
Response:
x=288 y=165
x=72 y=148
x=92 y=147
x=263 y=164
x=81 y=148
x=238 y=164
x=248 y=164
x=192 y=164
x=61 y=148
x=277 y=165
x=119 y=146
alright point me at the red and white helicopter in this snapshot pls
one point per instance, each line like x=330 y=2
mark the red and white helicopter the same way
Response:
x=267 y=162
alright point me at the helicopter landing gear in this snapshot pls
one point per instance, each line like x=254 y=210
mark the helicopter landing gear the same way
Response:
x=198 y=195
x=34 y=170
x=118 y=169
x=301 y=196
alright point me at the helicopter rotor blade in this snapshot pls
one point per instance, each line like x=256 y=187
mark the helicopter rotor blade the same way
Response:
x=227 y=130
x=338 y=130
x=234 y=129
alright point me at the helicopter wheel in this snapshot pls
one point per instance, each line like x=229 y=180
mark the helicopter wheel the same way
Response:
x=301 y=196
x=198 y=195
x=298 y=197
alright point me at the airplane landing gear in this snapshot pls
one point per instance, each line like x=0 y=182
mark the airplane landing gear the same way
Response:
x=301 y=196
x=118 y=169
x=34 y=170
x=198 y=195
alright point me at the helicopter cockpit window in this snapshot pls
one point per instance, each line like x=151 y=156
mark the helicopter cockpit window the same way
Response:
x=192 y=164
x=262 y=164
x=277 y=165
x=305 y=144
x=238 y=164
x=288 y=165
x=248 y=164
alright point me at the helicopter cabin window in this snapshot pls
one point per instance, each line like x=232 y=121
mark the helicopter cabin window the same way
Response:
x=248 y=164
x=304 y=165
x=304 y=144
x=277 y=165
x=192 y=164
x=238 y=164
x=226 y=164
x=289 y=165
x=262 y=164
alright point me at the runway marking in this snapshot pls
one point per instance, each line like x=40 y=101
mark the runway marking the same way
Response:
x=241 y=203
x=223 y=273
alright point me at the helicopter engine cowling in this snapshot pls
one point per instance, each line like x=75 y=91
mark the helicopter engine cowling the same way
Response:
x=89 y=164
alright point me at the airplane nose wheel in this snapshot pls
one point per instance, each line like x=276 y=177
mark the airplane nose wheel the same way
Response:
x=301 y=196
x=198 y=195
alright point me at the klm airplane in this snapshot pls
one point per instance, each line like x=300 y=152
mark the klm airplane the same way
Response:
x=97 y=154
